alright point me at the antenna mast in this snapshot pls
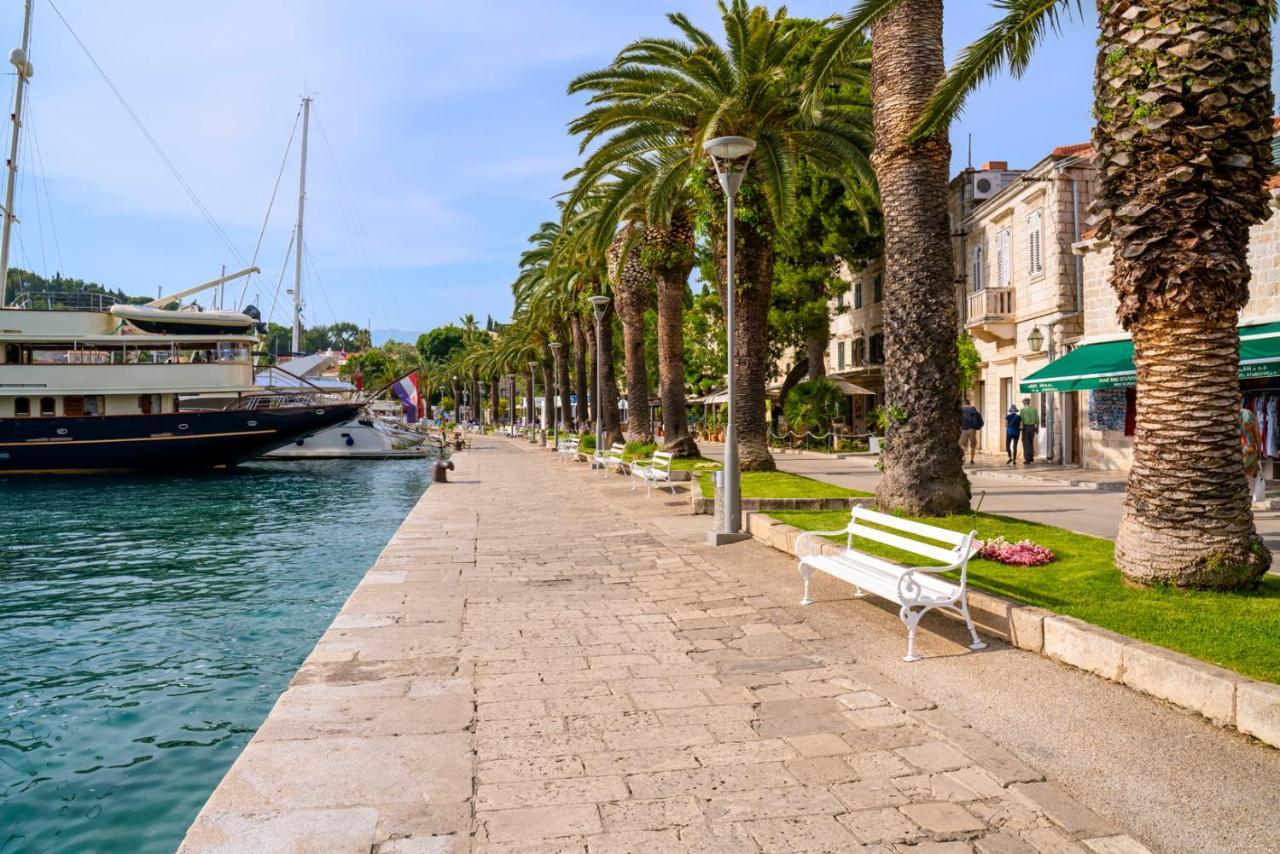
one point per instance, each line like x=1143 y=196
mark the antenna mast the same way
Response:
x=23 y=66
x=302 y=203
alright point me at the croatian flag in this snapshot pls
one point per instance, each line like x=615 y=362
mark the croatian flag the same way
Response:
x=406 y=388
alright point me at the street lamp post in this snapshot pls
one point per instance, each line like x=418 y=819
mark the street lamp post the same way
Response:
x=555 y=405
x=599 y=303
x=730 y=155
x=511 y=383
x=533 y=425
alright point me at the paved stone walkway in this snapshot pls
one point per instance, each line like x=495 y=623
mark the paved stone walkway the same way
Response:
x=531 y=667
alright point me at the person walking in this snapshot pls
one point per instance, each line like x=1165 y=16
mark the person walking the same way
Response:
x=1012 y=432
x=970 y=424
x=1030 y=424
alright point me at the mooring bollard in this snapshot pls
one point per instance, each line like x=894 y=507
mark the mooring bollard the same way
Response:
x=438 y=471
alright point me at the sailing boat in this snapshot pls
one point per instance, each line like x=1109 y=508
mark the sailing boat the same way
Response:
x=366 y=437
x=97 y=389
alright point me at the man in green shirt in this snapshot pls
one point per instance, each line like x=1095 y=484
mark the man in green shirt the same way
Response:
x=1030 y=424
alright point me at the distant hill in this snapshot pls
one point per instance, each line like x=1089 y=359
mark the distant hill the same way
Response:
x=27 y=288
x=408 y=336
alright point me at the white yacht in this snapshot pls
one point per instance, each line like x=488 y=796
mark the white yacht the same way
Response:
x=84 y=391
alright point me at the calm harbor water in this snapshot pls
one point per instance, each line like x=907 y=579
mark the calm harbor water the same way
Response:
x=147 y=626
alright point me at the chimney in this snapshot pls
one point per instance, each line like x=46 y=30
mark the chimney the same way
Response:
x=995 y=166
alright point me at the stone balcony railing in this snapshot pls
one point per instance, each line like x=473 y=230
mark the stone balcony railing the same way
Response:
x=991 y=313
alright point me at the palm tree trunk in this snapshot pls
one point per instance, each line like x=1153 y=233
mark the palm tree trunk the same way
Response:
x=494 y=393
x=672 y=251
x=753 y=270
x=609 y=393
x=923 y=465
x=631 y=298
x=1183 y=137
x=592 y=374
x=562 y=377
x=528 y=399
x=580 y=383
x=548 y=397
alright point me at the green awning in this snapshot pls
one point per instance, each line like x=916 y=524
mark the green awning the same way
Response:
x=1109 y=364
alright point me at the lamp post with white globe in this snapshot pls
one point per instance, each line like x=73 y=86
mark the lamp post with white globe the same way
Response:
x=730 y=155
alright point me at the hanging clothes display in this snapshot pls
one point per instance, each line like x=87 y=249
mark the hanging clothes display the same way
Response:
x=1264 y=406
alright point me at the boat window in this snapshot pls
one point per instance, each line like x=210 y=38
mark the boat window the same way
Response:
x=22 y=407
x=72 y=406
x=149 y=404
x=11 y=354
x=47 y=407
x=94 y=405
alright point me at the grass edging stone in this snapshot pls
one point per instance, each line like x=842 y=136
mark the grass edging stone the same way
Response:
x=1221 y=695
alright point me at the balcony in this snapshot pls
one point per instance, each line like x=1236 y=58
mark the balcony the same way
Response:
x=990 y=315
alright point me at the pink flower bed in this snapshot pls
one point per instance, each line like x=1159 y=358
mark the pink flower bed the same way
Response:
x=1025 y=553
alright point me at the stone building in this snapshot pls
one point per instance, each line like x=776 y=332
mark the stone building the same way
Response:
x=1100 y=366
x=1021 y=285
x=855 y=351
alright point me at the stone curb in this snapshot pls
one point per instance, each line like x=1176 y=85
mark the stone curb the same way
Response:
x=1098 y=486
x=707 y=506
x=1224 y=697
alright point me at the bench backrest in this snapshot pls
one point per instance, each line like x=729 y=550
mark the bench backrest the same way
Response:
x=661 y=461
x=862 y=520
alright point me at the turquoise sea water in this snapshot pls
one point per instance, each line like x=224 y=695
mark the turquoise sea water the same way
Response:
x=147 y=626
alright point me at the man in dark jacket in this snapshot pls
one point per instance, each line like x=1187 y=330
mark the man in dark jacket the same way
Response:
x=970 y=424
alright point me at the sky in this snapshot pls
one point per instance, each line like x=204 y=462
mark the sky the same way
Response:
x=437 y=139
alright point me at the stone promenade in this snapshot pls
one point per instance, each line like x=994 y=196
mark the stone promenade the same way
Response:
x=535 y=665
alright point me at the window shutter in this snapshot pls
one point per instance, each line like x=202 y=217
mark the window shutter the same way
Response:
x=977 y=268
x=1035 y=258
x=1002 y=259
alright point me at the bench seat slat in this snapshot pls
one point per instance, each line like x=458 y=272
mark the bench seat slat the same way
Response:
x=885 y=584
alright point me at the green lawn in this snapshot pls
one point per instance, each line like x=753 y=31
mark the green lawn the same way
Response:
x=1233 y=630
x=780 y=484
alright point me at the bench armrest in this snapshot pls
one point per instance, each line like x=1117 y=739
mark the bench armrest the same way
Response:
x=807 y=544
x=909 y=587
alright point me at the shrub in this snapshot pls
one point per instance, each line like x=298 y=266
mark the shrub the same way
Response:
x=641 y=450
x=586 y=442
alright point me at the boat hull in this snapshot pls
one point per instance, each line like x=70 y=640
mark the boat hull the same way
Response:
x=162 y=442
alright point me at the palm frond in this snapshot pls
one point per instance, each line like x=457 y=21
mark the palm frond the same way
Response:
x=1010 y=41
x=847 y=35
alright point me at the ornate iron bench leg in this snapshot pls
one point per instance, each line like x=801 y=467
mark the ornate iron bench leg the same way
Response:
x=978 y=643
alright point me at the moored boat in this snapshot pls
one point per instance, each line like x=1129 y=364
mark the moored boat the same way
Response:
x=80 y=393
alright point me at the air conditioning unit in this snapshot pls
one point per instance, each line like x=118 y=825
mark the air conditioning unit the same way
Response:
x=988 y=182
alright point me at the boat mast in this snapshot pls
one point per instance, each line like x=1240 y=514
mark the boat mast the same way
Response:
x=19 y=60
x=302 y=203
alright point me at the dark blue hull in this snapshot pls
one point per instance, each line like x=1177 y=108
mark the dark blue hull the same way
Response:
x=165 y=442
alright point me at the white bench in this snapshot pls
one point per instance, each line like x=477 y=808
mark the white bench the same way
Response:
x=654 y=470
x=615 y=457
x=916 y=589
x=568 y=449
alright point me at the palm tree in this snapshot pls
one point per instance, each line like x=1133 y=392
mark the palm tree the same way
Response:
x=631 y=298
x=662 y=98
x=1183 y=100
x=923 y=466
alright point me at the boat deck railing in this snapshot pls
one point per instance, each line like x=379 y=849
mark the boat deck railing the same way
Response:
x=63 y=301
x=279 y=401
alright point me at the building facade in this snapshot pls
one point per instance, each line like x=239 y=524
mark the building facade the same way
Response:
x=855 y=351
x=1022 y=286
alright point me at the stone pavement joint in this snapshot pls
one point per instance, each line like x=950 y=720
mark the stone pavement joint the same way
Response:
x=531 y=665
